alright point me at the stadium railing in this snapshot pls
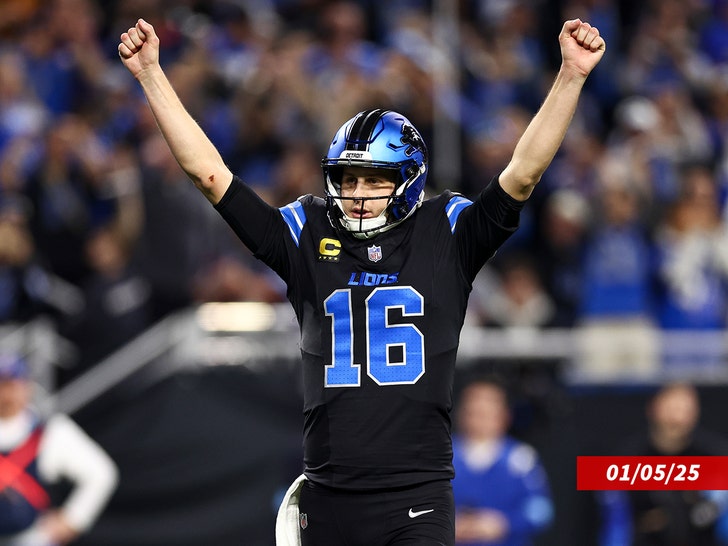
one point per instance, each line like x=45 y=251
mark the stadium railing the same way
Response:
x=259 y=336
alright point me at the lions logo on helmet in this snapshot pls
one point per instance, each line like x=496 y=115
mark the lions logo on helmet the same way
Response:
x=378 y=139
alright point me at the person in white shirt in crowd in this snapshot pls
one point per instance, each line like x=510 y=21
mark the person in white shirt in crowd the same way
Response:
x=37 y=451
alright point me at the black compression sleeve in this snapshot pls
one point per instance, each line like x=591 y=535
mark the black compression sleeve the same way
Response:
x=493 y=217
x=252 y=219
x=502 y=206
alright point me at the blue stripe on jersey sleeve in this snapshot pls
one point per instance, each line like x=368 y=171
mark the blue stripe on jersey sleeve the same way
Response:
x=454 y=207
x=294 y=215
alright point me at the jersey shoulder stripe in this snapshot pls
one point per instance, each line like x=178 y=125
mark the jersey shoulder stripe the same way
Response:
x=295 y=217
x=454 y=207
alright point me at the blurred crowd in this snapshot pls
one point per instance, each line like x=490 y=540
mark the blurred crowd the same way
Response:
x=101 y=231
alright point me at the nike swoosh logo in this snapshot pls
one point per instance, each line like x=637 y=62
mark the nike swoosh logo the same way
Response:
x=414 y=514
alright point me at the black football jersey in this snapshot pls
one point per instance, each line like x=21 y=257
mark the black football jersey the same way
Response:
x=380 y=323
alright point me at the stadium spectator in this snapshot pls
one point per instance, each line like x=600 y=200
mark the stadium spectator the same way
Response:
x=28 y=289
x=693 y=256
x=667 y=517
x=116 y=304
x=510 y=294
x=619 y=334
x=37 y=451
x=502 y=493
x=560 y=254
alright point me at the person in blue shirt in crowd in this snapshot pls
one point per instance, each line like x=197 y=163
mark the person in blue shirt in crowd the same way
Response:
x=502 y=493
x=617 y=301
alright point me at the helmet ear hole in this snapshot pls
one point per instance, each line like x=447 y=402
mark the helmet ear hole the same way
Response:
x=399 y=209
x=410 y=172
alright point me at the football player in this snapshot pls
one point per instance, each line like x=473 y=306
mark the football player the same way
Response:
x=379 y=279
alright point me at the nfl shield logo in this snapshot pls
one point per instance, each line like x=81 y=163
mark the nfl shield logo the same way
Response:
x=375 y=253
x=303 y=519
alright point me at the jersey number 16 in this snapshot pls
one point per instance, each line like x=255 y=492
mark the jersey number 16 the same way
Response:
x=381 y=338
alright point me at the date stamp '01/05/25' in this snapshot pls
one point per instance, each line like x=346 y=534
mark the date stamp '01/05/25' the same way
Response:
x=601 y=473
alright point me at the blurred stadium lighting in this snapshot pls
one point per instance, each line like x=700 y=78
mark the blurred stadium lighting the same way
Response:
x=236 y=317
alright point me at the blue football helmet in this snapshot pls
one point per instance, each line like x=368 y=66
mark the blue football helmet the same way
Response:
x=380 y=139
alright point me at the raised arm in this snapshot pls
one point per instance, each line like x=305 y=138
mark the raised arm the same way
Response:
x=581 y=50
x=198 y=157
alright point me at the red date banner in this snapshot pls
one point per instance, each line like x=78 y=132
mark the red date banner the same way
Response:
x=601 y=473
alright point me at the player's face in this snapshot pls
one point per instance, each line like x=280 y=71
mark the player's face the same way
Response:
x=675 y=412
x=14 y=396
x=484 y=412
x=360 y=185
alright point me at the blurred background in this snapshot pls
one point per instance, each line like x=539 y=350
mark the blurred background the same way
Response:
x=147 y=321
